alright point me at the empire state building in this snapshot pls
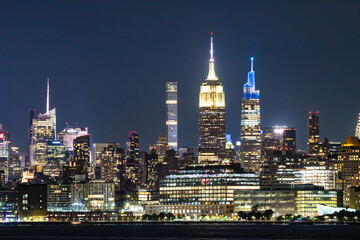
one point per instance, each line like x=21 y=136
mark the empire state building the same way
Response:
x=211 y=146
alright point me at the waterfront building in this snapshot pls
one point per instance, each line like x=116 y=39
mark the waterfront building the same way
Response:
x=172 y=115
x=354 y=198
x=313 y=133
x=201 y=190
x=211 y=145
x=8 y=205
x=32 y=202
x=296 y=200
x=250 y=149
x=347 y=172
x=93 y=196
x=43 y=130
x=59 y=198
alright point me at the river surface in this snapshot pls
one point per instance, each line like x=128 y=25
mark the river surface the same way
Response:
x=178 y=231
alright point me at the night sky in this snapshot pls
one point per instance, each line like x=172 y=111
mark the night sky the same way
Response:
x=108 y=62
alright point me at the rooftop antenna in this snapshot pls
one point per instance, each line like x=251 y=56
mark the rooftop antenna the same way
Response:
x=48 y=96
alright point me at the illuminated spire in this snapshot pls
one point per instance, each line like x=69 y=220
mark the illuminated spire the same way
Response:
x=47 y=97
x=249 y=86
x=357 y=131
x=211 y=48
x=212 y=74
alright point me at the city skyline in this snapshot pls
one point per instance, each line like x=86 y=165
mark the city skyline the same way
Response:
x=73 y=84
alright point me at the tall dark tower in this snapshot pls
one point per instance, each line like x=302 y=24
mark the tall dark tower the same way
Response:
x=133 y=160
x=82 y=154
x=211 y=146
x=313 y=133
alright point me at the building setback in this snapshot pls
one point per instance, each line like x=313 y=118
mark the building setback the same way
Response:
x=211 y=146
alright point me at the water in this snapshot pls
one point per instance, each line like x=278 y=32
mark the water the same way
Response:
x=178 y=231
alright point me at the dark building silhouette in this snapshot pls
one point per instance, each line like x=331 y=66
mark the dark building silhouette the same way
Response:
x=313 y=133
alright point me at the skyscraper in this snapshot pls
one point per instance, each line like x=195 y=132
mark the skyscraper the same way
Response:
x=313 y=133
x=82 y=154
x=5 y=145
x=162 y=146
x=133 y=161
x=68 y=135
x=357 y=130
x=250 y=149
x=347 y=168
x=43 y=130
x=171 y=114
x=211 y=146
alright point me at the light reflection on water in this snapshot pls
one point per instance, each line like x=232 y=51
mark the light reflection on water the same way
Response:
x=177 y=231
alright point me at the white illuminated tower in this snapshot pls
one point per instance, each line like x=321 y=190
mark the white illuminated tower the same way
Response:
x=357 y=131
x=43 y=130
x=211 y=146
x=250 y=149
x=172 y=115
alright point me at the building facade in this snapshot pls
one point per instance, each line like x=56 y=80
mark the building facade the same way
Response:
x=347 y=168
x=68 y=135
x=313 y=133
x=295 y=201
x=211 y=147
x=133 y=170
x=357 y=130
x=250 y=149
x=172 y=114
x=204 y=190
x=93 y=196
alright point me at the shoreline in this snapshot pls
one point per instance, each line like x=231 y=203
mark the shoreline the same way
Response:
x=177 y=223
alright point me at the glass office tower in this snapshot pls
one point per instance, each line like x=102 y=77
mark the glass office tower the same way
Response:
x=250 y=149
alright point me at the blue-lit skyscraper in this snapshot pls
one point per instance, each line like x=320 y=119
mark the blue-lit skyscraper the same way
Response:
x=250 y=149
x=172 y=115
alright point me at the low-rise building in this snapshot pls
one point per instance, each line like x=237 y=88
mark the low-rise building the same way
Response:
x=201 y=190
x=33 y=202
x=286 y=199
